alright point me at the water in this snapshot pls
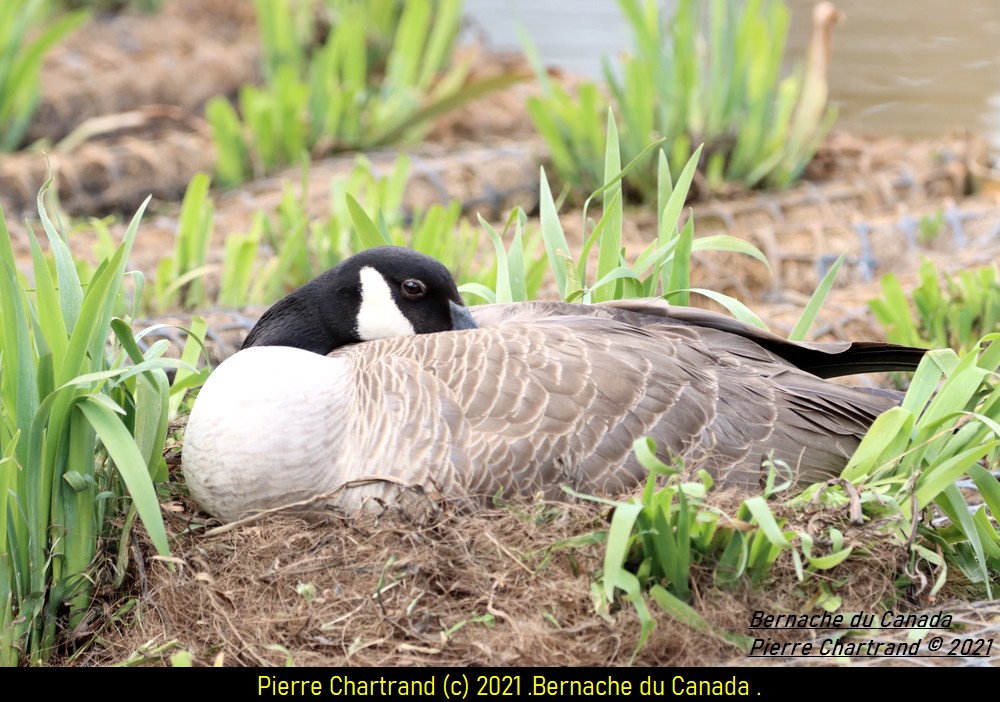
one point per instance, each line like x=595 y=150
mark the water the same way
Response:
x=916 y=69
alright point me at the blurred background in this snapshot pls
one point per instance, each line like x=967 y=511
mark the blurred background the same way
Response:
x=899 y=67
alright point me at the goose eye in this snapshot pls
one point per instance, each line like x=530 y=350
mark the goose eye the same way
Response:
x=413 y=289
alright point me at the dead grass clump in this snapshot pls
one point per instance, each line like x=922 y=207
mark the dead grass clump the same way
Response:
x=506 y=586
x=482 y=589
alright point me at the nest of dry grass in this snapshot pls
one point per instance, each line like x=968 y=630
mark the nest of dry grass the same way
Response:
x=508 y=586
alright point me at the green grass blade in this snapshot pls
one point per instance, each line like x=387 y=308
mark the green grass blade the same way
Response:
x=726 y=242
x=680 y=269
x=70 y=290
x=801 y=327
x=131 y=466
x=765 y=519
x=610 y=240
x=369 y=234
x=503 y=289
x=619 y=534
x=732 y=305
x=953 y=504
x=988 y=486
x=687 y=615
x=556 y=248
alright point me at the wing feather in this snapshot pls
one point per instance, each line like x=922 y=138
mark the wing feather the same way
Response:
x=529 y=403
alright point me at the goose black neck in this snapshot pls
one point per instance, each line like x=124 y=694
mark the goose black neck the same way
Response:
x=300 y=322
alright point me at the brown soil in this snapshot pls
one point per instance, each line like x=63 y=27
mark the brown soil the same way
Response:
x=181 y=56
x=121 y=118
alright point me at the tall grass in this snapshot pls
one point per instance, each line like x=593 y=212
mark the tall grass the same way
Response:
x=342 y=96
x=287 y=249
x=660 y=269
x=702 y=72
x=902 y=476
x=27 y=33
x=947 y=427
x=280 y=252
x=83 y=416
x=180 y=276
x=947 y=310
x=283 y=250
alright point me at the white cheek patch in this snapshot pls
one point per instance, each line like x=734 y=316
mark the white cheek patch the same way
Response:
x=379 y=316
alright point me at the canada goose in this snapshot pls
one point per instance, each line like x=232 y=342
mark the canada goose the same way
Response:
x=517 y=398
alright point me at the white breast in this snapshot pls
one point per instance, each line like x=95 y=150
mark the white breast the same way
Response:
x=264 y=428
x=276 y=425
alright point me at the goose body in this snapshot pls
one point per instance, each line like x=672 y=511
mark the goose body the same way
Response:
x=520 y=399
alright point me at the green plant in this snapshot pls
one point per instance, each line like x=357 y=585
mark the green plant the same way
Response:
x=24 y=41
x=180 y=277
x=929 y=228
x=292 y=32
x=306 y=246
x=947 y=426
x=82 y=426
x=661 y=269
x=335 y=99
x=653 y=542
x=281 y=252
x=722 y=88
x=955 y=314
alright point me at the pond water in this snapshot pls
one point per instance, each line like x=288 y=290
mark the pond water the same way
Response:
x=916 y=69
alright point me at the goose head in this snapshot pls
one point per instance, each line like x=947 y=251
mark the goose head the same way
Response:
x=380 y=293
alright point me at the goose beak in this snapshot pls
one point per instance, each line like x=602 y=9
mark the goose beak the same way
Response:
x=461 y=318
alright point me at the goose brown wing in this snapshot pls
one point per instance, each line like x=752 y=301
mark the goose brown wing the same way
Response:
x=827 y=359
x=824 y=359
x=561 y=400
x=551 y=402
